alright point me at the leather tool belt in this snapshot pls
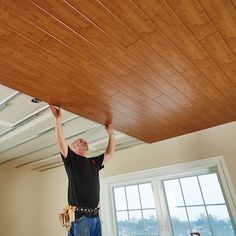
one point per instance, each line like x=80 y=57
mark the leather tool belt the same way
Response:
x=86 y=211
x=72 y=213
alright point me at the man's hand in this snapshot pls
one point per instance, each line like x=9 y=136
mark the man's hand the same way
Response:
x=109 y=153
x=61 y=142
x=56 y=111
x=109 y=129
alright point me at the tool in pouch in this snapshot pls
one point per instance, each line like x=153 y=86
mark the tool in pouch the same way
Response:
x=67 y=217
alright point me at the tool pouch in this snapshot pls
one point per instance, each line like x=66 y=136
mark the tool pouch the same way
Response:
x=67 y=217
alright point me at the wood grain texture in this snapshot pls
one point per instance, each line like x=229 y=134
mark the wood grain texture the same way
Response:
x=155 y=69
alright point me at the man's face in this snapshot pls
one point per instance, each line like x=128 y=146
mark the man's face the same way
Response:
x=81 y=145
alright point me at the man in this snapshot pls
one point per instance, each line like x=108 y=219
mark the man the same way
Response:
x=83 y=176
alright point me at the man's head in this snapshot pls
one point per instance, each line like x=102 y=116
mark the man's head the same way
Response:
x=80 y=147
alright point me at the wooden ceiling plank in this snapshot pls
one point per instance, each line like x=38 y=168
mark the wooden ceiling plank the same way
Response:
x=168 y=90
x=111 y=81
x=32 y=85
x=73 y=100
x=86 y=106
x=102 y=17
x=130 y=14
x=61 y=32
x=119 y=119
x=149 y=92
x=14 y=59
x=24 y=27
x=165 y=18
x=222 y=54
x=185 y=114
x=62 y=66
x=222 y=105
x=155 y=109
x=129 y=63
x=46 y=43
x=142 y=70
x=15 y=79
x=223 y=16
x=198 y=22
x=181 y=119
x=154 y=124
x=90 y=67
x=18 y=23
x=129 y=128
x=29 y=58
x=205 y=107
x=165 y=48
x=33 y=54
x=72 y=92
x=90 y=19
x=145 y=54
x=163 y=68
x=194 y=16
x=11 y=57
x=101 y=74
x=29 y=64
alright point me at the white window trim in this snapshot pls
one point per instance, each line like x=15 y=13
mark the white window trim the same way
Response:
x=107 y=204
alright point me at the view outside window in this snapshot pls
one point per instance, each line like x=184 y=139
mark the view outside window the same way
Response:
x=135 y=210
x=196 y=204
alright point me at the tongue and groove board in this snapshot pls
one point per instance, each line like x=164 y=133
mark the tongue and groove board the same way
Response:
x=155 y=69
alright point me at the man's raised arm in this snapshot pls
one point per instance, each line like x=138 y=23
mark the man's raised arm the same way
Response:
x=61 y=142
x=111 y=145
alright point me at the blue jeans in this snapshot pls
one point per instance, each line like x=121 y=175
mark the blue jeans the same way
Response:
x=86 y=226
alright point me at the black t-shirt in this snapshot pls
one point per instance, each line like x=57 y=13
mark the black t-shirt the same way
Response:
x=83 y=177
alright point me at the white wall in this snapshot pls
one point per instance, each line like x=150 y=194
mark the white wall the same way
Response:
x=47 y=191
x=19 y=197
x=220 y=140
x=53 y=199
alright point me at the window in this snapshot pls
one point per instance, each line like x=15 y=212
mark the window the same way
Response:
x=135 y=210
x=171 y=201
x=196 y=204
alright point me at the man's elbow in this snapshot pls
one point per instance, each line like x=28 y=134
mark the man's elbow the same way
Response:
x=108 y=156
x=63 y=150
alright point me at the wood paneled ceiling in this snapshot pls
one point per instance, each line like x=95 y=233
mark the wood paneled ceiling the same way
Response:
x=155 y=68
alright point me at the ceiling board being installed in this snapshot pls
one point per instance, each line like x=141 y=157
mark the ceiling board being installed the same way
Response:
x=155 y=69
x=27 y=137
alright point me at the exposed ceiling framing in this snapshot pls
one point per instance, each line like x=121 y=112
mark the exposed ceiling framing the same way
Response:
x=27 y=133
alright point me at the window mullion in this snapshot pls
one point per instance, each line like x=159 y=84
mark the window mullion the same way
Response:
x=141 y=206
x=209 y=222
x=127 y=210
x=190 y=227
x=161 y=207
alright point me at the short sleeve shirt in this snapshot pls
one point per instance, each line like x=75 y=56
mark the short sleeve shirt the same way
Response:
x=83 y=178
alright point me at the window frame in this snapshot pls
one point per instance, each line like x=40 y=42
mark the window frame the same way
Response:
x=141 y=209
x=156 y=176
